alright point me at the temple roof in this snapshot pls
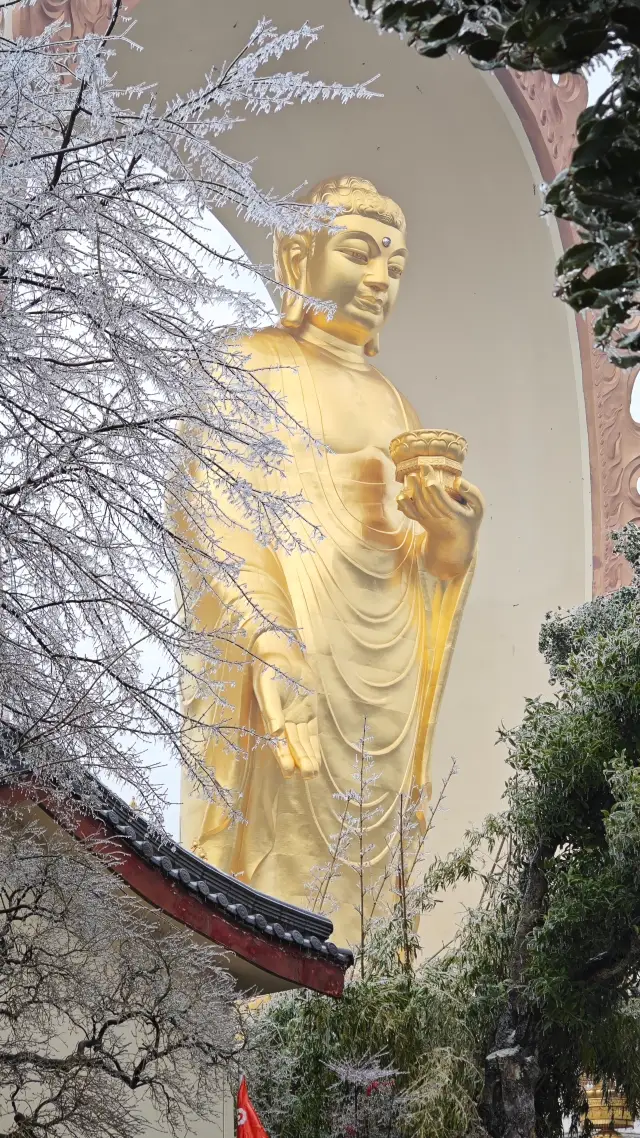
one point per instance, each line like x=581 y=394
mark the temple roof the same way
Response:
x=261 y=934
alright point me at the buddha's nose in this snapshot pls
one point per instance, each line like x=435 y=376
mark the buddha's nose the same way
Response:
x=378 y=284
x=377 y=278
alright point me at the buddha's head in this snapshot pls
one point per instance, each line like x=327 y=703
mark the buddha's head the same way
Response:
x=357 y=268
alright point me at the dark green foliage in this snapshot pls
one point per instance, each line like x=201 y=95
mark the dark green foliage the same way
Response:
x=550 y=958
x=600 y=192
x=529 y=35
x=356 y=1067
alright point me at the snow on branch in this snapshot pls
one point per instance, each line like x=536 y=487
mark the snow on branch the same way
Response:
x=118 y=381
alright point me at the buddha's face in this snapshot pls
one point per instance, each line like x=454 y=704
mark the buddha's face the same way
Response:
x=359 y=270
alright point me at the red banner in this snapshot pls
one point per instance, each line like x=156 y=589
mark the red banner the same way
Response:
x=248 y=1123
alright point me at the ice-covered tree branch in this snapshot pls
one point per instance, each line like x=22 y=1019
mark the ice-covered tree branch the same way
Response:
x=106 y=1020
x=118 y=378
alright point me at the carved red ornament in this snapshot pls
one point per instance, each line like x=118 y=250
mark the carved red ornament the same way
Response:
x=79 y=16
x=549 y=113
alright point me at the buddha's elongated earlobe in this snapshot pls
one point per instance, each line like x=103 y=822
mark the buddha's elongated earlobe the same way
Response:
x=291 y=263
x=291 y=310
x=372 y=347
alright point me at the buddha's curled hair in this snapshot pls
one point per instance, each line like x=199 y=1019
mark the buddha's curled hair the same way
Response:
x=357 y=195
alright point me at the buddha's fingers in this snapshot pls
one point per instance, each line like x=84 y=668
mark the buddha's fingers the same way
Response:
x=473 y=497
x=432 y=500
x=306 y=738
x=269 y=702
x=298 y=737
x=428 y=496
x=406 y=498
x=285 y=759
x=293 y=739
x=407 y=507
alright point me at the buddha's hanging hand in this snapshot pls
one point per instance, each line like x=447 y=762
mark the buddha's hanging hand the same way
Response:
x=284 y=690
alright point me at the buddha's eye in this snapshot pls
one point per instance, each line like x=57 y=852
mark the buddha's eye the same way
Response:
x=358 y=256
x=395 y=271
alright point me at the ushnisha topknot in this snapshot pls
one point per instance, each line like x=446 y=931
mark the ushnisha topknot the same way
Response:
x=356 y=195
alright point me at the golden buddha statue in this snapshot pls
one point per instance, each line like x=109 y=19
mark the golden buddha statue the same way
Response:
x=375 y=604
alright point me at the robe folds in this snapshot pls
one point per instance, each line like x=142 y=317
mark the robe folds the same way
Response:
x=378 y=632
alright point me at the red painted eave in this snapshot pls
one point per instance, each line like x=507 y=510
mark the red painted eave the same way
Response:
x=289 y=963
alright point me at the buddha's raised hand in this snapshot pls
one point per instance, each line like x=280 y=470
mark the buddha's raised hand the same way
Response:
x=451 y=519
x=283 y=686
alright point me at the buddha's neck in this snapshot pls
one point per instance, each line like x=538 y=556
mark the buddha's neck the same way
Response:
x=351 y=355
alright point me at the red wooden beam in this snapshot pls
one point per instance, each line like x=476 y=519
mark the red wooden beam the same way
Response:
x=287 y=962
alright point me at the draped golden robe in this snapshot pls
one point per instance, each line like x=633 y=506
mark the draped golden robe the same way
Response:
x=378 y=632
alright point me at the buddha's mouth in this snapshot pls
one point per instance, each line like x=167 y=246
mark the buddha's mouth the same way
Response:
x=369 y=303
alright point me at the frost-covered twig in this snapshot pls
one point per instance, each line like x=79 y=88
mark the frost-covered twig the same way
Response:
x=108 y=1022
x=118 y=380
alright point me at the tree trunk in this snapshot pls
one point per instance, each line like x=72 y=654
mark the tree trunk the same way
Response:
x=511 y=1076
x=511 y=1068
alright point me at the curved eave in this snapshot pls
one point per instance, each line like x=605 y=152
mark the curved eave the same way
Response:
x=290 y=963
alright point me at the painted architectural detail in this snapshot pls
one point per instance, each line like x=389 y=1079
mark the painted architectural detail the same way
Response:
x=556 y=107
x=616 y=462
x=79 y=16
x=549 y=112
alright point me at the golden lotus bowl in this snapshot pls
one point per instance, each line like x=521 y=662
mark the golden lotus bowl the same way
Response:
x=443 y=451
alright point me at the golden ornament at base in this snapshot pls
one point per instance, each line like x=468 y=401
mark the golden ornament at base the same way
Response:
x=607 y=1117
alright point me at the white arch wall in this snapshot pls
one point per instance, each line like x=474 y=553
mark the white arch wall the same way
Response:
x=477 y=341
